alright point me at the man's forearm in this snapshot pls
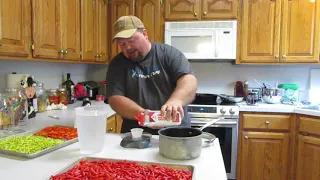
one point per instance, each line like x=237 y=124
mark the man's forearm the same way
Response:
x=185 y=90
x=124 y=106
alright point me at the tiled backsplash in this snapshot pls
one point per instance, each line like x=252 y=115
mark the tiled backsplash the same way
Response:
x=48 y=73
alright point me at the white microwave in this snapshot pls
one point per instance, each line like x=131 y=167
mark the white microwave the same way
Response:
x=209 y=40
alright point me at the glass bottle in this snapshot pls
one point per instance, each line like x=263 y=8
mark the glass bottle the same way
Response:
x=53 y=96
x=69 y=85
x=63 y=97
x=239 y=89
x=41 y=97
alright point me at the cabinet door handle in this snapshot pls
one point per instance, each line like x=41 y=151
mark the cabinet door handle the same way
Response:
x=100 y=55
x=65 y=51
x=205 y=13
x=97 y=55
x=110 y=129
x=246 y=137
x=305 y=134
x=284 y=56
x=267 y=122
x=61 y=51
x=195 y=14
x=276 y=56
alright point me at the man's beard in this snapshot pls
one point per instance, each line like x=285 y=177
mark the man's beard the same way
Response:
x=137 y=59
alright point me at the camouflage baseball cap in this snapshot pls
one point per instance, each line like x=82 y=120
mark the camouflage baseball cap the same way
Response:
x=126 y=26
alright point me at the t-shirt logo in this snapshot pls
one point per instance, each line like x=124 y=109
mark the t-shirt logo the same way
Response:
x=145 y=72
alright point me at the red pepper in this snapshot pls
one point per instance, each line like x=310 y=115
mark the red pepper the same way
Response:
x=121 y=170
x=58 y=132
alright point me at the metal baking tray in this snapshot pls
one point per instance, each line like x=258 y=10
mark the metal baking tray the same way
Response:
x=168 y=165
x=39 y=153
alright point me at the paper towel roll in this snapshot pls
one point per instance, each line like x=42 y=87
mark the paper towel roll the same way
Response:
x=14 y=80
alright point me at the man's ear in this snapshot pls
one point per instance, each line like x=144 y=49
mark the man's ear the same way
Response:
x=145 y=33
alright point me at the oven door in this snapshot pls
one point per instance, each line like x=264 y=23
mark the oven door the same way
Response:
x=228 y=139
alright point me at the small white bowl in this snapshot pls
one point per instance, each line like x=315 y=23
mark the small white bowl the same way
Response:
x=136 y=133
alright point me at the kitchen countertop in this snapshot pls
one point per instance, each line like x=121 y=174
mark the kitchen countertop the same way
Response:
x=277 y=108
x=208 y=166
x=66 y=117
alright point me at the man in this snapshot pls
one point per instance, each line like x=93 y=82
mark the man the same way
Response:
x=147 y=76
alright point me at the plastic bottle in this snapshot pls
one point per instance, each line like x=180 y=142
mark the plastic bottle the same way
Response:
x=151 y=118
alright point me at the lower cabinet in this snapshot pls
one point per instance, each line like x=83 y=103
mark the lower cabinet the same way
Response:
x=308 y=148
x=114 y=124
x=265 y=146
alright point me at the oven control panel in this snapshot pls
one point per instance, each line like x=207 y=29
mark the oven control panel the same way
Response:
x=201 y=109
x=213 y=110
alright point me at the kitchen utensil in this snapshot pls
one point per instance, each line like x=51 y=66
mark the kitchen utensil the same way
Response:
x=258 y=83
x=130 y=141
x=234 y=99
x=272 y=95
x=182 y=143
x=252 y=99
x=91 y=127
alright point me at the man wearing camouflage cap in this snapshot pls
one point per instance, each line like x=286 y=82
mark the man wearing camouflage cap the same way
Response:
x=147 y=75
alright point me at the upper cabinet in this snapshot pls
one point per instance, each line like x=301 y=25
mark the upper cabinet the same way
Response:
x=278 y=31
x=149 y=11
x=56 y=29
x=15 y=28
x=200 y=10
x=94 y=34
x=119 y=8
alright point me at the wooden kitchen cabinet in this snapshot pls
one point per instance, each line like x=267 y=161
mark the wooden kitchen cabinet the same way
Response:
x=149 y=11
x=114 y=124
x=15 y=28
x=56 y=29
x=278 y=31
x=119 y=8
x=265 y=146
x=308 y=149
x=94 y=34
x=111 y=124
x=200 y=10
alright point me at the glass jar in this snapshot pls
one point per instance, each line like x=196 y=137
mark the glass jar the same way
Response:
x=238 y=90
x=53 y=96
x=252 y=99
x=41 y=97
x=63 y=96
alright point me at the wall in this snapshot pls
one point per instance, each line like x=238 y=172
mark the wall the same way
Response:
x=220 y=77
x=48 y=73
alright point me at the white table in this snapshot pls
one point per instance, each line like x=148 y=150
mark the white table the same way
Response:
x=208 y=166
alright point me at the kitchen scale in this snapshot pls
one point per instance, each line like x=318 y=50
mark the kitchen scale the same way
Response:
x=136 y=139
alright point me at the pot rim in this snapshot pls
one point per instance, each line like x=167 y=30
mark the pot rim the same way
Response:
x=178 y=127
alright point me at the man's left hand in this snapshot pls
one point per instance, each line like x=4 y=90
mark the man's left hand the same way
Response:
x=170 y=109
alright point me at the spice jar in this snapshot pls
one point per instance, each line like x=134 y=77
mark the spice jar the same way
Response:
x=238 y=90
x=63 y=96
x=53 y=96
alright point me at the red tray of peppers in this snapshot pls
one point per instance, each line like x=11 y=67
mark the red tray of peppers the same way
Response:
x=58 y=132
x=110 y=169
